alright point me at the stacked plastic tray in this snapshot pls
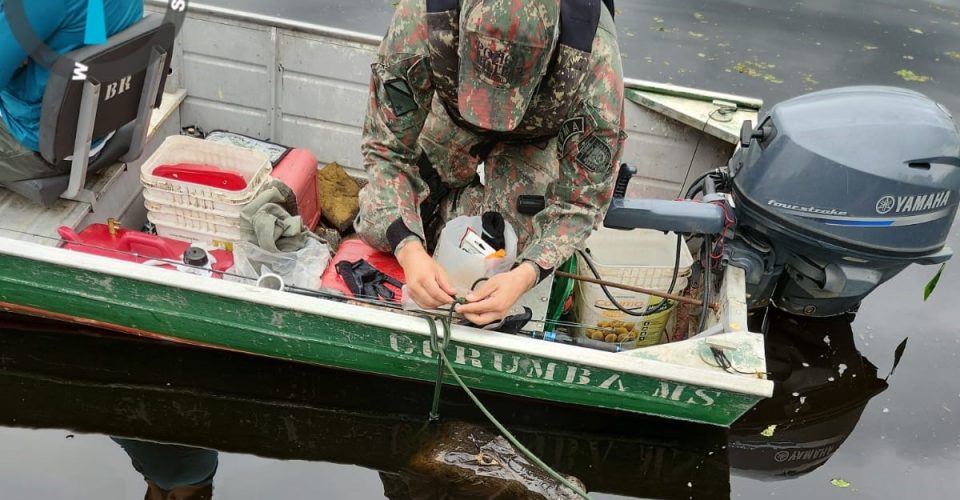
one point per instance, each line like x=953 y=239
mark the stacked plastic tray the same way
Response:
x=195 y=212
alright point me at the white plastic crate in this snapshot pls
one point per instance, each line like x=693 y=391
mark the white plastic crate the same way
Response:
x=153 y=205
x=201 y=222
x=223 y=238
x=254 y=167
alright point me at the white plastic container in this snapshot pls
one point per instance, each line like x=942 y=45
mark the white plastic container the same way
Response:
x=254 y=167
x=211 y=224
x=464 y=269
x=199 y=216
x=642 y=258
x=221 y=239
x=195 y=212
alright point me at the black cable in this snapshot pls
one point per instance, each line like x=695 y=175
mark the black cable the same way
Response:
x=663 y=305
x=694 y=156
x=707 y=278
x=697 y=183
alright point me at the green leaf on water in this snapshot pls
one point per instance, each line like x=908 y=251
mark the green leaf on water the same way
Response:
x=910 y=76
x=839 y=483
x=927 y=290
x=768 y=432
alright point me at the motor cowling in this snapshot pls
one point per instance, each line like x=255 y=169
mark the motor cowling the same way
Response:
x=837 y=191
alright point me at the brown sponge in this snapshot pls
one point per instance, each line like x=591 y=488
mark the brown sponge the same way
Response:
x=338 y=192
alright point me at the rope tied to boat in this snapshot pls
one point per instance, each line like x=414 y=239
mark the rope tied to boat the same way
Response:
x=440 y=347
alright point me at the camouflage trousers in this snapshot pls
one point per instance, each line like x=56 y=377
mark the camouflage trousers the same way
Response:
x=18 y=163
x=508 y=172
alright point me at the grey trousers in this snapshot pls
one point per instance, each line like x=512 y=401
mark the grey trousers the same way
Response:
x=18 y=163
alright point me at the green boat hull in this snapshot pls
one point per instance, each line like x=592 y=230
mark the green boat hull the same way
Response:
x=156 y=309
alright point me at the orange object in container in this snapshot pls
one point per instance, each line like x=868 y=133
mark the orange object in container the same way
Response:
x=298 y=169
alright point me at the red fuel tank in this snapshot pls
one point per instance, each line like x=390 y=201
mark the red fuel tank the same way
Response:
x=353 y=250
x=298 y=169
x=134 y=246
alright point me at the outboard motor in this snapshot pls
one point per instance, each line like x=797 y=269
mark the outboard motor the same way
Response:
x=838 y=191
x=834 y=193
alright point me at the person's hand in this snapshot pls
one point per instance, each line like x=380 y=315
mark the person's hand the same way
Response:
x=493 y=298
x=427 y=282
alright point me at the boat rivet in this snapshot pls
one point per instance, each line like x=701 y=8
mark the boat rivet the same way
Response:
x=544 y=299
x=809 y=310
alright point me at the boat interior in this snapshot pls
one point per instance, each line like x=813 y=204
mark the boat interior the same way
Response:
x=305 y=87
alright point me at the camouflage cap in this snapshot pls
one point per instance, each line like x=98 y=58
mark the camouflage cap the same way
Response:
x=505 y=48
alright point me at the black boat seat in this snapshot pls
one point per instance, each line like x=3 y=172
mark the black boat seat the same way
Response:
x=123 y=84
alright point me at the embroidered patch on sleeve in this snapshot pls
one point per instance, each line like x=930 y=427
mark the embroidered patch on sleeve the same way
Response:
x=595 y=155
x=400 y=97
x=571 y=127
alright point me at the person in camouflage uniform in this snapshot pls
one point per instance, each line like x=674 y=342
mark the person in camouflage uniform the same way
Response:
x=488 y=85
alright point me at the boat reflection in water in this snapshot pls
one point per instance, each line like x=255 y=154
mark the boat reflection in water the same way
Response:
x=822 y=386
x=97 y=383
x=94 y=382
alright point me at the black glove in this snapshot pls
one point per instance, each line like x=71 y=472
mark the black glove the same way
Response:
x=364 y=280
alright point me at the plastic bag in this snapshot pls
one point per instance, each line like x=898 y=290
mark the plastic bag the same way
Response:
x=465 y=269
x=302 y=268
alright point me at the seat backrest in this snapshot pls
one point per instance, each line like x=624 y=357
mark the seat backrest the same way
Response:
x=120 y=67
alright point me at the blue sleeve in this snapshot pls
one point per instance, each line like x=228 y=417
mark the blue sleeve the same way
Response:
x=45 y=17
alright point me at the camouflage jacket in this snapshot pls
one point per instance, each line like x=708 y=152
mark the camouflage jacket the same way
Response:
x=589 y=142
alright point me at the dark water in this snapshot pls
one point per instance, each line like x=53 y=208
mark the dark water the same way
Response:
x=283 y=430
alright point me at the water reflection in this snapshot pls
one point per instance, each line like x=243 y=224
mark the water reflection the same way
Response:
x=90 y=382
x=822 y=385
x=172 y=472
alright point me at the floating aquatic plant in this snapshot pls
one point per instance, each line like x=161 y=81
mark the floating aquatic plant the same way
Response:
x=910 y=76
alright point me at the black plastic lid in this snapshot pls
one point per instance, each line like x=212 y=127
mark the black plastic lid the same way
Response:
x=195 y=256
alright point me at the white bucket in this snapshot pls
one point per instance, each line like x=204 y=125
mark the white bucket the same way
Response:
x=642 y=258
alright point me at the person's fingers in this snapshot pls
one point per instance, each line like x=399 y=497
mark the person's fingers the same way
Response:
x=490 y=305
x=473 y=308
x=483 y=291
x=432 y=288
x=444 y=281
x=483 y=319
x=420 y=296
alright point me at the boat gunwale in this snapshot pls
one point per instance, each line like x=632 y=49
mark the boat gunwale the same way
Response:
x=388 y=320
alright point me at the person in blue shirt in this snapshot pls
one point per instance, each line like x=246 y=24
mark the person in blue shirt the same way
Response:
x=61 y=25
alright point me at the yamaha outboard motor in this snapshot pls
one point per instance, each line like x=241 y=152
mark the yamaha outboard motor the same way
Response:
x=840 y=190
x=834 y=193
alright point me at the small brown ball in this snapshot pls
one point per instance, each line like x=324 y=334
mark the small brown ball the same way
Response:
x=611 y=338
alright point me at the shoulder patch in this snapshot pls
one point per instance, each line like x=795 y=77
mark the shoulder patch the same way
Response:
x=595 y=155
x=570 y=128
x=400 y=97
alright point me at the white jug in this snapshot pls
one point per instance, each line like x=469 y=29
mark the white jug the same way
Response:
x=464 y=269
